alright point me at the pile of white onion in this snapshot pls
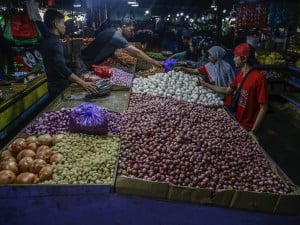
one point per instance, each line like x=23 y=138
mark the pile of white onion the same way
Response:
x=178 y=85
x=191 y=145
x=29 y=160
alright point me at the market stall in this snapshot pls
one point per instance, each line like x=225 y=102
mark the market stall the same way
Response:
x=159 y=143
x=150 y=133
x=17 y=99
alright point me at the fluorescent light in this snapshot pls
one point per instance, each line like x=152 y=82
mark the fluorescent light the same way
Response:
x=213 y=5
x=135 y=5
x=131 y=3
x=77 y=4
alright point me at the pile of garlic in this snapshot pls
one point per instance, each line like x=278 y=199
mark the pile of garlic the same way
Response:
x=178 y=85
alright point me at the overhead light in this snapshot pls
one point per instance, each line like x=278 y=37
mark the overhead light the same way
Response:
x=187 y=16
x=132 y=2
x=177 y=14
x=169 y=15
x=213 y=5
x=147 y=12
x=135 y=5
x=181 y=14
x=77 y=4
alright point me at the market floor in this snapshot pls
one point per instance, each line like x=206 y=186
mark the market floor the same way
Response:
x=95 y=205
x=280 y=137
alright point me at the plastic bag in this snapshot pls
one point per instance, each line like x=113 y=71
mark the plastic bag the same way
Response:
x=102 y=71
x=21 y=26
x=88 y=118
x=168 y=64
x=8 y=36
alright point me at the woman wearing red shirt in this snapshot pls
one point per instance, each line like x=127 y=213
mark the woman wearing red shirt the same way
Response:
x=252 y=103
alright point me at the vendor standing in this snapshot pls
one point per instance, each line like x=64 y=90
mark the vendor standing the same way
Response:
x=107 y=42
x=59 y=76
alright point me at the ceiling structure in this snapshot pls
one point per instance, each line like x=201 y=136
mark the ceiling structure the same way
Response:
x=158 y=7
x=162 y=7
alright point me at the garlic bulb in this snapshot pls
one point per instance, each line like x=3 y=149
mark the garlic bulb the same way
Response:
x=178 y=85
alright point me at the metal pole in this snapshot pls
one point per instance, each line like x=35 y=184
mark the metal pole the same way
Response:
x=72 y=33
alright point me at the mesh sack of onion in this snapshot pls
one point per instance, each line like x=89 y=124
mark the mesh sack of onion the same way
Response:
x=88 y=118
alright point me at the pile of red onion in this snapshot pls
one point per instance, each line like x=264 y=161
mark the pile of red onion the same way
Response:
x=50 y=122
x=115 y=123
x=58 y=121
x=190 y=145
x=121 y=78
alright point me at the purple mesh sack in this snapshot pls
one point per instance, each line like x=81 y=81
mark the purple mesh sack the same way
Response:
x=88 y=118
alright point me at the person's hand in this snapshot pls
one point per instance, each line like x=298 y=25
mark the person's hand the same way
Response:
x=181 y=63
x=177 y=68
x=201 y=82
x=158 y=63
x=90 y=87
x=253 y=135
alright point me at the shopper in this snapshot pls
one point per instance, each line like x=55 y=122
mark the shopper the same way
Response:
x=196 y=53
x=107 y=42
x=59 y=76
x=253 y=97
x=216 y=71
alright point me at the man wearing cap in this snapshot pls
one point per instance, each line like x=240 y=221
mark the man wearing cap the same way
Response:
x=108 y=41
x=253 y=97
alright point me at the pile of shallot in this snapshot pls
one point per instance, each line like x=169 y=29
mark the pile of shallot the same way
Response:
x=50 y=122
x=191 y=145
x=121 y=78
x=58 y=121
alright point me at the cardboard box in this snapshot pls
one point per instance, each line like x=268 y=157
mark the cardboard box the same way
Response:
x=256 y=201
x=187 y=194
x=288 y=204
x=135 y=186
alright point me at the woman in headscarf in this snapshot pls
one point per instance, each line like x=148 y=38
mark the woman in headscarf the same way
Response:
x=217 y=71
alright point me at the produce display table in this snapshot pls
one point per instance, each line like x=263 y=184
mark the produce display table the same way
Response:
x=15 y=103
x=118 y=101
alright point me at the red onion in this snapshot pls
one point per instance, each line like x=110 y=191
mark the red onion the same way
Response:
x=50 y=122
x=190 y=145
x=115 y=123
x=121 y=78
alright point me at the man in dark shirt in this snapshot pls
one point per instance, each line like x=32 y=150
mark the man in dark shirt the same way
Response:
x=59 y=76
x=108 y=41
